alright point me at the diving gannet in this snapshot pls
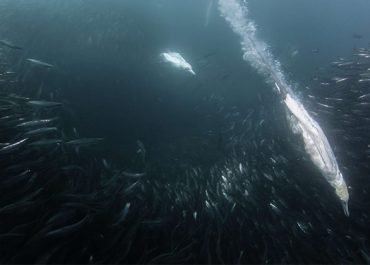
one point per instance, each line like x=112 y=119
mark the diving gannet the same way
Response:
x=177 y=60
x=317 y=146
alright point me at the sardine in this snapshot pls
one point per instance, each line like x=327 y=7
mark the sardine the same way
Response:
x=85 y=141
x=35 y=122
x=40 y=63
x=46 y=142
x=43 y=103
x=340 y=79
x=10 y=45
x=133 y=175
x=123 y=213
x=41 y=131
x=11 y=147
x=69 y=229
x=364 y=97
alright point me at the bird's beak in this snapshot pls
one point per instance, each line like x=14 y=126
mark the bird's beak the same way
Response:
x=345 y=208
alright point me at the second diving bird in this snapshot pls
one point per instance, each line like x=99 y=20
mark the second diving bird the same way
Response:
x=177 y=61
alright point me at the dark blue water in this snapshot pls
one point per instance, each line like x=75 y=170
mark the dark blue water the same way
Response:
x=109 y=75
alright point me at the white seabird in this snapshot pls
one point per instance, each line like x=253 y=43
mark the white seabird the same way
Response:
x=177 y=60
x=317 y=147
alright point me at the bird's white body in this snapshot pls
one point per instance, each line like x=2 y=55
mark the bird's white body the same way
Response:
x=317 y=147
x=177 y=60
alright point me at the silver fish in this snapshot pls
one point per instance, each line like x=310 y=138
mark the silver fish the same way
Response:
x=133 y=175
x=85 y=141
x=46 y=142
x=9 y=73
x=11 y=147
x=35 y=122
x=41 y=131
x=364 y=97
x=340 y=79
x=10 y=45
x=141 y=150
x=40 y=63
x=43 y=103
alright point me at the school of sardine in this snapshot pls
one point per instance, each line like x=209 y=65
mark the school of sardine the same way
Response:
x=62 y=202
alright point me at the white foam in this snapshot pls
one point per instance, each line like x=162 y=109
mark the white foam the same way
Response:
x=256 y=52
x=208 y=12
